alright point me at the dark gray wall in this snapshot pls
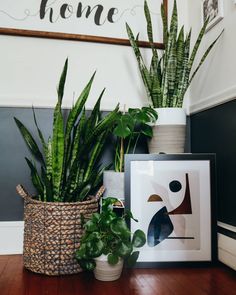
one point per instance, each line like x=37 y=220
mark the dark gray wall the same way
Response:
x=13 y=168
x=214 y=131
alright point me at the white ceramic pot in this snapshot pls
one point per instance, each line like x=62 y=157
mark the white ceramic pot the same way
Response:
x=114 y=184
x=169 y=131
x=105 y=271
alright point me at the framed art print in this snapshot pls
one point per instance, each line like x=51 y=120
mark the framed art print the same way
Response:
x=212 y=9
x=173 y=198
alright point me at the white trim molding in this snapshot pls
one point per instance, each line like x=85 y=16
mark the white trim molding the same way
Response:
x=4 y=103
x=227 y=226
x=213 y=100
x=227 y=250
x=11 y=237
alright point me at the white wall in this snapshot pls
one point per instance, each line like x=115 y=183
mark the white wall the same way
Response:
x=30 y=70
x=216 y=81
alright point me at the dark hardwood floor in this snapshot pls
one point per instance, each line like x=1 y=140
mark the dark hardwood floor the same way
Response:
x=220 y=280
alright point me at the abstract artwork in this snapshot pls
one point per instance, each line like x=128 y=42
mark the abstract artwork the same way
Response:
x=171 y=196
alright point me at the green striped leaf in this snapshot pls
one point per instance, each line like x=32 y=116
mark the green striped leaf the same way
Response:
x=204 y=57
x=30 y=142
x=61 y=86
x=57 y=151
x=149 y=29
x=96 y=154
x=76 y=110
x=48 y=190
x=40 y=133
x=36 y=180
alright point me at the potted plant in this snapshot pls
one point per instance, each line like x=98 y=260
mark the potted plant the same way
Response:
x=129 y=127
x=66 y=175
x=168 y=77
x=107 y=242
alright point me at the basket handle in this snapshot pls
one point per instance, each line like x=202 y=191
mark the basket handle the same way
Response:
x=22 y=192
x=100 y=192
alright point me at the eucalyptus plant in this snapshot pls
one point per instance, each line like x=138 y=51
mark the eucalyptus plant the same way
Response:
x=107 y=233
x=69 y=160
x=170 y=73
x=128 y=129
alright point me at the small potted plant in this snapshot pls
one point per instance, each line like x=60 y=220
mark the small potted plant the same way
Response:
x=168 y=77
x=107 y=242
x=129 y=127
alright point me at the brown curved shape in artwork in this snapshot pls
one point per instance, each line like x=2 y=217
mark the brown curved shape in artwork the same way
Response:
x=155 y=198
x=185 y=207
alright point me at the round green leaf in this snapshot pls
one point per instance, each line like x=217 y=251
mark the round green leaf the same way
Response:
x=139 y=238
x=88 y=264
x=132 y=259
x=112 y=259
x=124 y=249
x=93 y=236
x=94 y=248
x=81 y=252
x=119 y=227
x=90 y=226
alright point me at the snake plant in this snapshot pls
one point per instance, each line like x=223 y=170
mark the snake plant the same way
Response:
x=169 y=75
x=69 y=159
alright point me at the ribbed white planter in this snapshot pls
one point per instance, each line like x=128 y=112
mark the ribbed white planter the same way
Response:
x=114 y=184
x=169 y=131
x=105 y=271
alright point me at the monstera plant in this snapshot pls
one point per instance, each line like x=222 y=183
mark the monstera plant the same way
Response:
x=66 y=167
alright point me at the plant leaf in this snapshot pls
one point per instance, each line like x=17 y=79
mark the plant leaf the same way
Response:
x=112 y=259
x=60 y=90
x=132 y=259
x=29 y=140
x=57 y=151
x=36 y=180
x=139 y=238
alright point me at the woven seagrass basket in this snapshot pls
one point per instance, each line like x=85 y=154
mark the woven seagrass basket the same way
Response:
x=52 y=233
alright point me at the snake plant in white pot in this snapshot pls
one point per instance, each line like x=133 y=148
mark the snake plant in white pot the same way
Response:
x=168 y=77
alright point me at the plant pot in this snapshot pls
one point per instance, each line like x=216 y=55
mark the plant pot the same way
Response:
x=169 y=131
x=52 y=233
x=114 y=184
x=105 y=271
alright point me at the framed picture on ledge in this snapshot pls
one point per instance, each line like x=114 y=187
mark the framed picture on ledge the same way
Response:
x=212 y=9
x=173 y=198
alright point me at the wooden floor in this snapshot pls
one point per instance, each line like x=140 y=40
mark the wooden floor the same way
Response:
x=14 y=280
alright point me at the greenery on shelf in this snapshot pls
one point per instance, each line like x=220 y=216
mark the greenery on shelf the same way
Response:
x=69 y=160
x=129 y=127
x=169 y=75
x=108 y=234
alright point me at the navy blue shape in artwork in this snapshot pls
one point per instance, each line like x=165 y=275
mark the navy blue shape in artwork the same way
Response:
x=159 y=228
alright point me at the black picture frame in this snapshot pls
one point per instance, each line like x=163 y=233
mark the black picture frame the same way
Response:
x=208 y=182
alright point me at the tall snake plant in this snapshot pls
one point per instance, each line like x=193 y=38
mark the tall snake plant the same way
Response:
x=170 y=73
x=69 y=160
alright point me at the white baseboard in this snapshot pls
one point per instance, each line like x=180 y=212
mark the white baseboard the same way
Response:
x=11 y=242
x=227 y=250
x=11 y=237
